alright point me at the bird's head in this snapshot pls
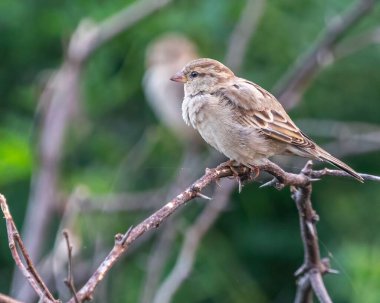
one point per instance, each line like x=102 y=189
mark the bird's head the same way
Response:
x=203 y=76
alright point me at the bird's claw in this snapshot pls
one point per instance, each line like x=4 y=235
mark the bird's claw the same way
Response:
x=242 y=179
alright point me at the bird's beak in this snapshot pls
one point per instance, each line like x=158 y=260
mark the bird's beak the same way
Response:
x=179 y=77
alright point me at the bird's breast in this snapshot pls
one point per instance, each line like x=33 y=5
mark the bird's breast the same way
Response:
x=194 y=110
x=202 y=113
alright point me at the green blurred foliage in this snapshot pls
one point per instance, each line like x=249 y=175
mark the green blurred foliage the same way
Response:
x=252 y=252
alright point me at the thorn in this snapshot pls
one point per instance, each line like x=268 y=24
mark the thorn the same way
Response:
x=314 y=179
x=200 y=195
x=307 y=168
x=272 y=182
x=217 y=182
x=333 y=271
x=300 y=271
x=310 y=226
x=124 y=238
x=275 y=183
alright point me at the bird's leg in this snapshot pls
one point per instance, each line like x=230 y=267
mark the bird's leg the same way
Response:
x=241 y=179
x=255 y=172
x=231 y=164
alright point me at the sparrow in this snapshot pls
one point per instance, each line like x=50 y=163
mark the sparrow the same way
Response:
x=164 y=56
x=241 y=119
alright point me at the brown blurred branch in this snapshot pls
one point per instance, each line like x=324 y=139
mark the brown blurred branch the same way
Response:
x=159 y=255
x=243 y=32
x=122 y=202
x=357 y=43
x=91 y=36
x=291 y=87
x=160 y=252
x=61 y=97
x=193 y=238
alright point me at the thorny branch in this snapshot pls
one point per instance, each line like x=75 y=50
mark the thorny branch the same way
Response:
x=124 y=241
x=15 y=245
x=310 y=274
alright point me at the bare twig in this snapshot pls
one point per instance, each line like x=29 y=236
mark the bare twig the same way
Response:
x=28 y=269
x=339 y=173
x=61 y=97
x=243 y=32
x=193 y=238
x=313 y=267
x=69 y=281
x=292 y=86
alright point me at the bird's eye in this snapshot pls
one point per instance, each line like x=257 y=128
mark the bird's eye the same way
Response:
x=194 y=74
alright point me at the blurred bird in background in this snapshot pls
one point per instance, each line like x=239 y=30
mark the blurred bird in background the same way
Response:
x=164 y=56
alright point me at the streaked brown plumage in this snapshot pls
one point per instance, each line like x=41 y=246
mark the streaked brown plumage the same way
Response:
x=241 y=119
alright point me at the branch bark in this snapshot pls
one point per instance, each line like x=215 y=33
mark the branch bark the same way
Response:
x=123 y=242
x=28 y=269
x=291 y=87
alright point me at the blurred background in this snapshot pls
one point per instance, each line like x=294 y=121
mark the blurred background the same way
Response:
x=91 y=140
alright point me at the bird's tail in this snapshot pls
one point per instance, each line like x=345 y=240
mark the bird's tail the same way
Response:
x=325 y=156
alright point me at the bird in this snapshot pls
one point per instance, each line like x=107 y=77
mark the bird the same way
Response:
x=164 y=56
x=241 y=119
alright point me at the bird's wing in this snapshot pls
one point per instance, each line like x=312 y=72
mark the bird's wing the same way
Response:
x=255 y=107
x=259 y=109
x=274 y=125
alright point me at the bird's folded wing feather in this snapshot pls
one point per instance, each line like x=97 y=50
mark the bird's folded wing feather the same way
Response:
x=253 y=102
